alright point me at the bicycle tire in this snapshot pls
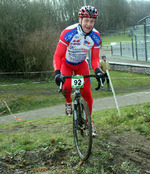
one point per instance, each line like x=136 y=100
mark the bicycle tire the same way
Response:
x=82 y=129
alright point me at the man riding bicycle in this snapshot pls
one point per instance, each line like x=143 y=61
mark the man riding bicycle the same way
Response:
x=75 y=43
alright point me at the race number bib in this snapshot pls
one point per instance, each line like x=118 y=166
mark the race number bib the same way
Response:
x=77 y=82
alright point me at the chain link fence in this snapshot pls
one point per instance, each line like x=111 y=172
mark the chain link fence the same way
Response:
x=139 y=46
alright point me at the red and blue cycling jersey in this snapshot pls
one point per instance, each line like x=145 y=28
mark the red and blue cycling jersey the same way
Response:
x=74 y=46
x=71 y=52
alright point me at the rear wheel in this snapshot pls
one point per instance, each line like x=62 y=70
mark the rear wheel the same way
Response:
x=82 y=129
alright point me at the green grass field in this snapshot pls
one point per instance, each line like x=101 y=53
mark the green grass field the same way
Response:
x=107 y=40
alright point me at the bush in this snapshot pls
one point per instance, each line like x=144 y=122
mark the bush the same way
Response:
x=38 y=50
x=27 y=38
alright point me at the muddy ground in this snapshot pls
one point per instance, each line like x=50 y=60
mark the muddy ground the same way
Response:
x=119 y=153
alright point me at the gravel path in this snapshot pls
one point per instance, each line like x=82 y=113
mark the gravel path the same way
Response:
x=99 y=104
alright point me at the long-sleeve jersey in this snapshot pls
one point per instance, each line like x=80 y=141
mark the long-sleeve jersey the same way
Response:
x=74 y=46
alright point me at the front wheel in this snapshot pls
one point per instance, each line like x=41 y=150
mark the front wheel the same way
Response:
x=82 y=129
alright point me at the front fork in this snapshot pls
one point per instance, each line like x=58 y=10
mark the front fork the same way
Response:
x=75 y=115
x=84 y=117
x=77 y=102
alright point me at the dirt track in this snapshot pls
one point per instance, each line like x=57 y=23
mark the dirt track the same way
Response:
x=99 y=104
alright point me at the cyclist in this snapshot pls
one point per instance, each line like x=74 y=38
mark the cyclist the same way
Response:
x=70 y=56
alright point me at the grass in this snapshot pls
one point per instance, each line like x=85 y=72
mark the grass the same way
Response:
x=54 y=137
x=32 y=134
x=108 y=39
x=29 y=96
x=41 y=132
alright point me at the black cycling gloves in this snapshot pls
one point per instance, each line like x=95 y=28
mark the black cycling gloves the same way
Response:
x=98 y=74
x=59 y=77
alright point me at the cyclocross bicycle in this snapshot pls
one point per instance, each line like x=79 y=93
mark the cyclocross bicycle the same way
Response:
x=82 y=128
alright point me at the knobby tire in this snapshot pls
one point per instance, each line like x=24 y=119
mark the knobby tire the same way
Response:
x=82 y=130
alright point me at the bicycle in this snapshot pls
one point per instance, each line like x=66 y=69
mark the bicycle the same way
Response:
x=82 y=128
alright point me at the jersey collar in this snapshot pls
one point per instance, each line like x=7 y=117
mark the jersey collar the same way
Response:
x=80 y=30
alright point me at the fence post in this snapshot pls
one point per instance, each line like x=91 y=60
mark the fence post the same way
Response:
x=132 y=47
x=145 y=40
x=111 y=50
x=136 y=49
x=121 y=48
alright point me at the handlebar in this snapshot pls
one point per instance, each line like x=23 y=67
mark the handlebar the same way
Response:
x=89 y=75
